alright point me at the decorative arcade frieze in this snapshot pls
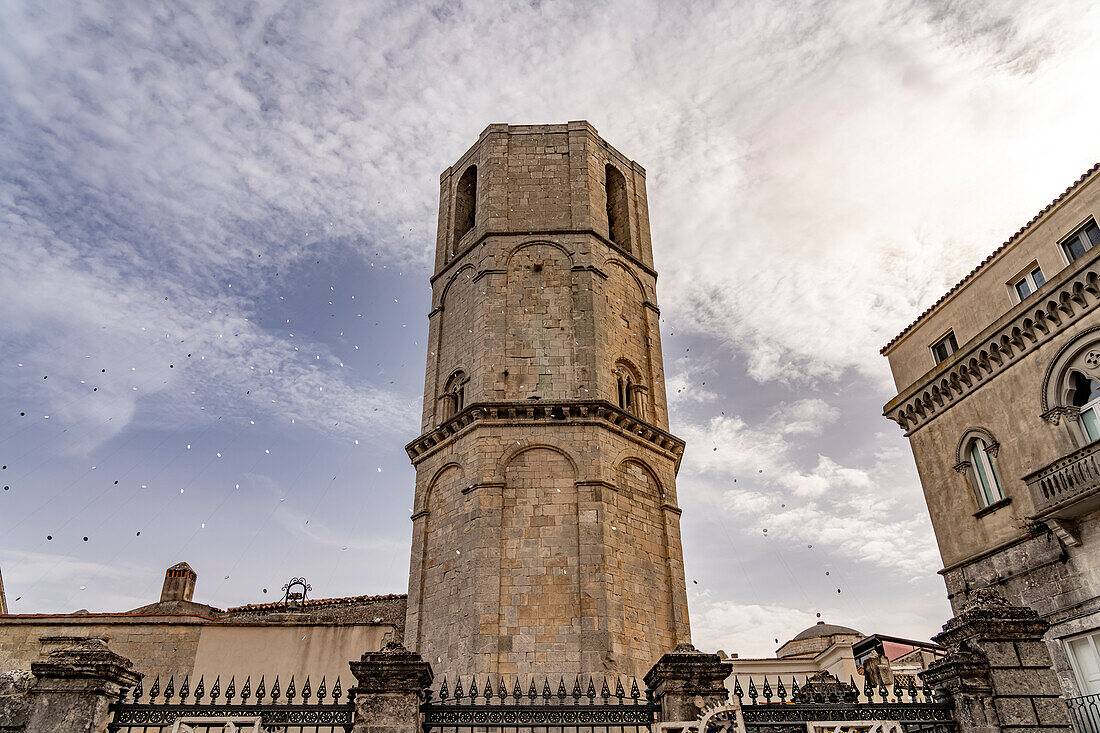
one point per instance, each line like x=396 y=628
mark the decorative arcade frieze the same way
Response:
x=1075 y=292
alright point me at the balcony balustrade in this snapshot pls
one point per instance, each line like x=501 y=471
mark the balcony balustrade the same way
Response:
x=1069 y=486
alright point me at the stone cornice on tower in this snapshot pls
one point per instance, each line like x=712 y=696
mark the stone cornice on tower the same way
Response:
x=532 y=411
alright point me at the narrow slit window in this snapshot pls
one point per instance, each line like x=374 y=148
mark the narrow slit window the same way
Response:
x=465 y=205
x=618 y=212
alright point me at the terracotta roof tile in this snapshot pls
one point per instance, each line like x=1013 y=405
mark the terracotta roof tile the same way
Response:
x=993 y=254
x=316 y=602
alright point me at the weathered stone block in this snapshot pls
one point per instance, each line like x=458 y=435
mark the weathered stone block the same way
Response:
x=1015 y=711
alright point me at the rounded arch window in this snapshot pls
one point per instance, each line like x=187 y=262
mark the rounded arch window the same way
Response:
x=977 y=454
x=465 y=206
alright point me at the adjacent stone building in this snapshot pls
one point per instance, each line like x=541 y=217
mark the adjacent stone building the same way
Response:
x=999 y=394
x=546 y=533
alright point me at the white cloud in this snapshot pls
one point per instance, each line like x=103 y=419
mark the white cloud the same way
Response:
x=755 y=476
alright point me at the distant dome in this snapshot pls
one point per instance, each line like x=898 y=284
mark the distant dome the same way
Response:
x=816 y=639
x=823 y=629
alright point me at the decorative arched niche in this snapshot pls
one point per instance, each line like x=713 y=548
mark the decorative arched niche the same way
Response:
x=1071 y=388
x=976 y=460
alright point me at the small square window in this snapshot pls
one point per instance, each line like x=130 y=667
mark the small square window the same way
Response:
x=1081 y=241
x=1029 y=282
x=945 y=347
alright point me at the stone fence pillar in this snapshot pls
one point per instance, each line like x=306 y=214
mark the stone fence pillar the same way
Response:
x=997 y=671
x=75 y=688
x=391 y=687
x=686 y=681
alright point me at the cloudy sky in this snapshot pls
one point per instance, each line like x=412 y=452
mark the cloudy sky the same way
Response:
x=216 y=227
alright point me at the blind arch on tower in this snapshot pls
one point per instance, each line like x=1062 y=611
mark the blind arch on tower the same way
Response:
x=540 y=583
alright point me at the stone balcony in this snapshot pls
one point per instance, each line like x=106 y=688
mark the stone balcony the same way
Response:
x=1068 y=487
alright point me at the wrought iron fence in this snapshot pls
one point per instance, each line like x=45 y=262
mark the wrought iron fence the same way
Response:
x=827 y=688
x=1084 y=711
x=303 y=710
x=595 y=705
x=777 y=708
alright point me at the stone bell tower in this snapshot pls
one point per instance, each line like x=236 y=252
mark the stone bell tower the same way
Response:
x=546 y=532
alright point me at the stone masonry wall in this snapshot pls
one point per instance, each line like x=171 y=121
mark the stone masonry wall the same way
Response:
x=1062 y=583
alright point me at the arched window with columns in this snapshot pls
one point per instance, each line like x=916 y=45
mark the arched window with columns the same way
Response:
x=976 y=461
x=453 y=398
x=631 y=391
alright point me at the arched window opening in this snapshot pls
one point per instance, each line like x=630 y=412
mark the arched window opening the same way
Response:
x=1086 y=397
x=987 y=484
x=630 y=390
x=465 y=205
x=976 y=455
x=453 y=398
x=618 y=212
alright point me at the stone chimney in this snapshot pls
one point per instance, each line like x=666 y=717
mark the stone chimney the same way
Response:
x=179 y=583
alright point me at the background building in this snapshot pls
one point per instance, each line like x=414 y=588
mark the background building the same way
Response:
x=999 y=394
x=177 y=637
x=841 y=652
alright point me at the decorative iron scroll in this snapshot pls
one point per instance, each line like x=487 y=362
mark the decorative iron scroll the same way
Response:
x=521 y=715
x=549 y=704
x=761 y=715
x=132 y=716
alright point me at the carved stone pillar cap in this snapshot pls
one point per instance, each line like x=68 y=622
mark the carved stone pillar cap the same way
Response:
x=88 y=659
x=394 y=669
x=689 y=670
x=989 y=614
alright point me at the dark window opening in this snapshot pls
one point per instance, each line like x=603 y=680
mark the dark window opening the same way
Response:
x=465 y=204
x=618 y=211
x=945 y=347
x=1085 y=390
x=1081 y=241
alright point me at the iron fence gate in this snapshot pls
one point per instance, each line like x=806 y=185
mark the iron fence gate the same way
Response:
x=824 y=703
x=189 y=710
x=586 y=706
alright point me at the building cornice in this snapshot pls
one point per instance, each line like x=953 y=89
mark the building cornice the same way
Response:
x=1051 y=310
x=528 y=412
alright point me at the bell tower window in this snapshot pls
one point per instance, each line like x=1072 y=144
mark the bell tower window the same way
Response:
x=465 y=206
x=618 y=212
x=453 y=398
x=630 y=390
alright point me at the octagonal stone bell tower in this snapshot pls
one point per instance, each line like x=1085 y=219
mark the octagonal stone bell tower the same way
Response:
x=546 y=532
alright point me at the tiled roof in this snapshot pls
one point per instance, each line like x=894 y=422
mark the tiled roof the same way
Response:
x=316 y=603
x=993 y=254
